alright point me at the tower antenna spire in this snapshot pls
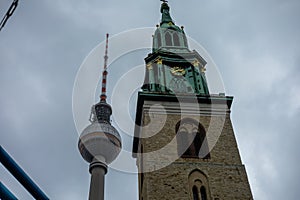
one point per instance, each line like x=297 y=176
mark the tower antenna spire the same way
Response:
x=104 y=74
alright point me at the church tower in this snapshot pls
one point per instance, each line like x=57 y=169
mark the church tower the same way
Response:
x=184 y=143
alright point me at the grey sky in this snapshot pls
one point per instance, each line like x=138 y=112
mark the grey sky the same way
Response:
x=254 y=43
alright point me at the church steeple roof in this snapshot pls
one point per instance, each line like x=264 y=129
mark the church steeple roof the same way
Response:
x=168 y=35
x=172 y=67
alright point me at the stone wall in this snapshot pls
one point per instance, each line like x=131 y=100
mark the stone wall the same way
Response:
x=167 y=173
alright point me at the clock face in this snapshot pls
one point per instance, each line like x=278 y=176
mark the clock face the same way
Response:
x=178 y=85
x=178 y=71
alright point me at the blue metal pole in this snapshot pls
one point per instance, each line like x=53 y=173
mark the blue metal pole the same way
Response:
x=21 y=176
x=5 y=193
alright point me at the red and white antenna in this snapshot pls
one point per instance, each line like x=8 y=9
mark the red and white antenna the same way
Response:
x=104 y=74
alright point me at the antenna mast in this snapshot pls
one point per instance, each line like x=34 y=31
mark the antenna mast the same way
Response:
x=104 y=74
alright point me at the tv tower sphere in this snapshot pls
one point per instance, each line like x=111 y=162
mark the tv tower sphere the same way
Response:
x=100 y=141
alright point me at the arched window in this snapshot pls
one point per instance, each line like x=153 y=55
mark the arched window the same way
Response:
x=203 y=193
x=176 y=39
x=168 y=38
x=191 y=139
x=198 y=185
x=195 y=193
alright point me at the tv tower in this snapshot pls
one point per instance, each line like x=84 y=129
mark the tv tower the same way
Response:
x=100 y=143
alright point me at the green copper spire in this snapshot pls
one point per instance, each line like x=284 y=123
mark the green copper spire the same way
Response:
x=172 y=68
x=168 y=36
x=165 y=10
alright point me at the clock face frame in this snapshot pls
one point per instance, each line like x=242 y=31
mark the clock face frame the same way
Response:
x=177 y=71
x=178 y=85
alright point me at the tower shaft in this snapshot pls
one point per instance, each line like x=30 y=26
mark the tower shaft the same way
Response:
x=187 y=150
x=98 y=170
x=97 y=184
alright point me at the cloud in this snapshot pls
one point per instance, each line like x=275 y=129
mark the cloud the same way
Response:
x=254 y=43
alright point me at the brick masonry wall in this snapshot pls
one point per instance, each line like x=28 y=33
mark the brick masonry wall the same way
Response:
x=227 y=178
